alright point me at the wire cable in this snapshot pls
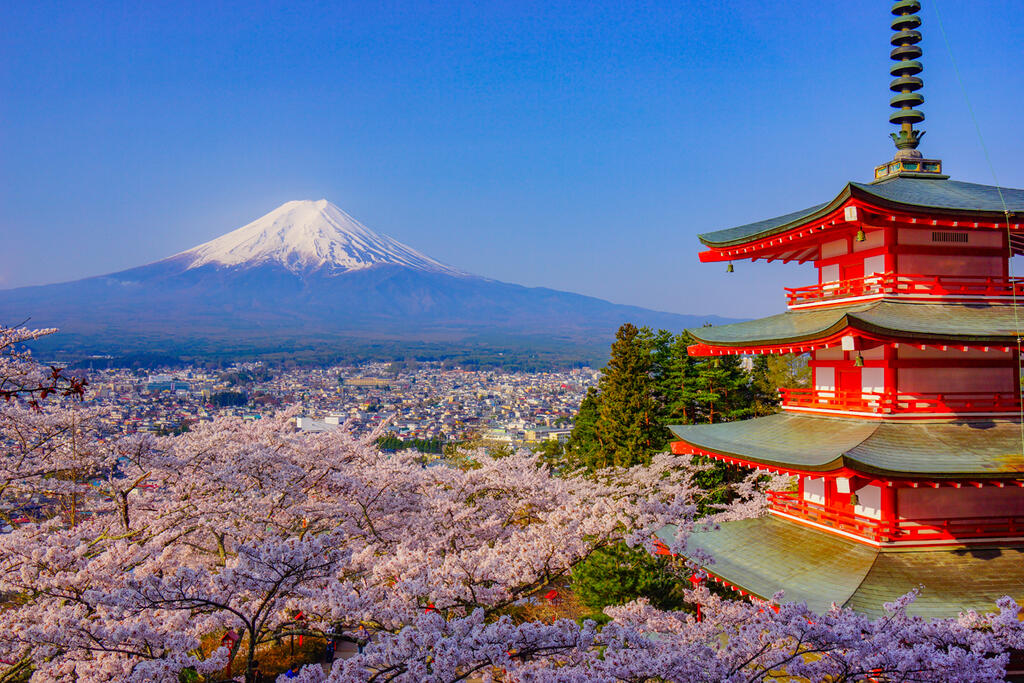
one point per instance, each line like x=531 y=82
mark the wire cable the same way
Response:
x=1006 y=211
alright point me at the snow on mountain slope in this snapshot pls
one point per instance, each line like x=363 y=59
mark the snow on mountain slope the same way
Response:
x=310 y=235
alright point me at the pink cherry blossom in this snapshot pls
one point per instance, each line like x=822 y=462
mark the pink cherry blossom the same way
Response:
x=143 y=547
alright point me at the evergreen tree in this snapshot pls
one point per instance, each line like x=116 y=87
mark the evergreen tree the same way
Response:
x=723 y=390
x=628 y=429
x=714 y=389
x=772 y=372
x=583 y=443
x=679 y=383
x=552 y=453
x=661 y=346
x=617 y=574
x=651 y=381
x=764 y=392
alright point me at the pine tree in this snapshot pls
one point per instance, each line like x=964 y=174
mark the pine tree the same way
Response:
x=661 y=346
x=552 y=453
x=628 y=429
x=583 y=444
x=723 y=390
x=679 y=383
x=763 y=389
x=617 y=574
x=772 y=372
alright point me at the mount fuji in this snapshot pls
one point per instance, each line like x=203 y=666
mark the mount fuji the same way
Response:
x=309 y=281
x=305 y=236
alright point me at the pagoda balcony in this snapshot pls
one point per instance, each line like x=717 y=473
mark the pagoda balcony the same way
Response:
x=899 y=405
x=923 y=287
x=922 y=531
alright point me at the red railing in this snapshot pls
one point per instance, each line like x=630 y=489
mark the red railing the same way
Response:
x=790 y=503
x=892 y=403
x=882 y=284
x=923 y=529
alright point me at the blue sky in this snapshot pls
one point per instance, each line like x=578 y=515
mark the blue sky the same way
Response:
x=579 y=146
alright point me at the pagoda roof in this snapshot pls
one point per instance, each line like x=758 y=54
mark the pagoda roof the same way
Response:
x=935 y=195
x=951 y=323
x=975 y=449
x=766 y=555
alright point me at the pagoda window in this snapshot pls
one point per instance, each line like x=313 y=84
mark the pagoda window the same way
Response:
x=932 y=250
x=873 y=380
x=814 y=490
x=825 y=379
x=933 y=236
x=874 y=264
x=869 y=502
x=935 y=371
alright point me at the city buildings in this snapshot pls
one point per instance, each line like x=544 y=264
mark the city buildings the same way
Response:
x=423 y=402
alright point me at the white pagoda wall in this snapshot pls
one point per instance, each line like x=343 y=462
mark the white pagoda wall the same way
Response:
x=954 y=262
x=939 y=380
x=945 y=503
x=951 y=378
x=950 y=265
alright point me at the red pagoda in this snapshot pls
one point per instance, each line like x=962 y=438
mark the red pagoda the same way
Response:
x=908 y=448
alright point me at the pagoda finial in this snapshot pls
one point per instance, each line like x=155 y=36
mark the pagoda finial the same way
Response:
x=905 y=84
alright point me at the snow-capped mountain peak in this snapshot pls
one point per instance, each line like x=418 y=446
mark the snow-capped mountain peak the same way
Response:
x=310 y=235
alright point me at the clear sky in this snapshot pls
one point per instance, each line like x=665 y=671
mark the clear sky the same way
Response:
x=579 y=146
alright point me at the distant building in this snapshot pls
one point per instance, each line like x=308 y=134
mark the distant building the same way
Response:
x=367 y=382
x=538 y=434
x=498 y=435
x=166 y=383
x=328 y=424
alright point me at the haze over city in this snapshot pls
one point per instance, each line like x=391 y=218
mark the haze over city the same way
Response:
x=579 y=147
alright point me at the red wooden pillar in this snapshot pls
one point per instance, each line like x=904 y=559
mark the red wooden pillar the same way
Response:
x=889 y=240
x=888 y=517
x=697 y=580
x=891 y=372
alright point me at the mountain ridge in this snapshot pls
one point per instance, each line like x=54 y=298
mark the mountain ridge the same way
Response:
x=308 y=275
x=307 y=234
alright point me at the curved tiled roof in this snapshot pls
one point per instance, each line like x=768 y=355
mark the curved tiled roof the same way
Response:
x=941 y=450
x=930 y=193
x=766 y=555
x=936 y=194
x=769 y=226
x=964 y=323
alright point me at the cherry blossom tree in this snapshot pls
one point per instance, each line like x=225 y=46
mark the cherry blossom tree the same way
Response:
x=21 y=377
x=242 y=525
x=737 y=642
x=149 y=550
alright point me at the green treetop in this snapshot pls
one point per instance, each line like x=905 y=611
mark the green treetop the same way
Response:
x=582 y=446
x=679 y=383
x=722 y=390
x=628 y=428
